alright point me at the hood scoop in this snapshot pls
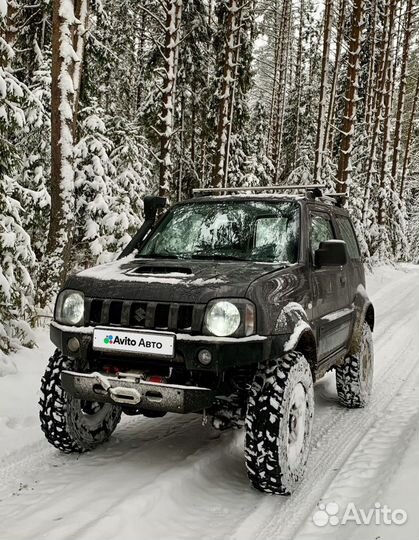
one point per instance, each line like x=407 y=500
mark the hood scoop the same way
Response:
x=161 y=271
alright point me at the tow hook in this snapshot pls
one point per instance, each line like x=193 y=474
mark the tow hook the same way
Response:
x=120 y=394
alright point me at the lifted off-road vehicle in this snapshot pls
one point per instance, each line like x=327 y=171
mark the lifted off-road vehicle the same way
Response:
x=229 y=306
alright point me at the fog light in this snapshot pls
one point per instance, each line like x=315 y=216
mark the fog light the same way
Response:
x=73 y=344
x=205 y=357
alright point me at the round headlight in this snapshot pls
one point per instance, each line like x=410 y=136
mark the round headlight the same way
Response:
x=222 y=319
x=72 y=309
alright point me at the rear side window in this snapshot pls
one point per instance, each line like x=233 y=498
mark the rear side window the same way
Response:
x=348 y=234
x=321 y=231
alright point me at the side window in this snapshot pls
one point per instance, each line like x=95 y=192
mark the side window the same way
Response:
x=348 y=234
x=321 y=231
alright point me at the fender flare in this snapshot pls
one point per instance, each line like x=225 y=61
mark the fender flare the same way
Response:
x=295 y=332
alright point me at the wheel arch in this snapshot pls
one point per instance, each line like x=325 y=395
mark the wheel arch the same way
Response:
x=365 y=313
x=370 y=316
x=307 y=346
x=293 y=323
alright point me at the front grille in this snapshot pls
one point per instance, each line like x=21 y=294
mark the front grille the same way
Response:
x=186 y=318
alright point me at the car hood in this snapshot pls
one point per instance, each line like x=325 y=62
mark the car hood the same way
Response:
x=161 y=280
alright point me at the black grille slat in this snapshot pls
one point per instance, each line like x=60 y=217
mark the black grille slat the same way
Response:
x=126 y=314
x=197 y=318
x=104 y=318
x=173 y=317
x=150 y=314
x=145 y=315
x=87 y=310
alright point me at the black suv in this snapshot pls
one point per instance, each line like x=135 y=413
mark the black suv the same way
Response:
x=228 y=306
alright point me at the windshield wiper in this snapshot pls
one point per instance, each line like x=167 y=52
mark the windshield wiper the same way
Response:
x=157 y=256
x=217 y=257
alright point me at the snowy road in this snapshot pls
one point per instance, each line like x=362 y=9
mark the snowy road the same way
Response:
x=171 y=479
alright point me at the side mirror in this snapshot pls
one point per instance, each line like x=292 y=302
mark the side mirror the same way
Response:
x=151 y=205
x=331 y=253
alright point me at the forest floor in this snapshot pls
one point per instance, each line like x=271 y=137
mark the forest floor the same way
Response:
x=172 y=479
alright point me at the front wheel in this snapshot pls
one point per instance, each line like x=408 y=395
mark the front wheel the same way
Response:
x=354 y=377
x=70 y=424
x=278 y=424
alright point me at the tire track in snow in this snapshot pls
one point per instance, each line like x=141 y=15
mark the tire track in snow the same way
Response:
x=282 y=520
x=166 y=480
x=371 y=464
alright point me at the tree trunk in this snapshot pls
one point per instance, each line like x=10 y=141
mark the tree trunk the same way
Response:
x=226 y=103
x=57 y=257
x=329 y=129
x=173 y=18
x=351 y=97
x=284 y=95
x=402 y=92
x=280 y=93
x=298 y=85
x=409 y=137
x=273 y=105
x=377 y=108
x=9 y=31
x=385 y=160
x=324 y=83
x=369 y=113
x=81 y=8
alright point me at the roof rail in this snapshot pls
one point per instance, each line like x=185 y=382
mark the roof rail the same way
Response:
x=310 y=187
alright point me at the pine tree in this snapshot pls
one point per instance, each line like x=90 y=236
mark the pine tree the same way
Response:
x=65 y=72
x=18 y=107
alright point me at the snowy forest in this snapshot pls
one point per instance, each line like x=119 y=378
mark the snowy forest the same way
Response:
x=104 y=101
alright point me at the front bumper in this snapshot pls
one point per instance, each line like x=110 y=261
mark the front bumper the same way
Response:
x=226 y=352
x=131 y=390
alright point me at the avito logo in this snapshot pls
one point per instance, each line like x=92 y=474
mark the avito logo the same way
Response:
x=108 y=340
x=130 y=342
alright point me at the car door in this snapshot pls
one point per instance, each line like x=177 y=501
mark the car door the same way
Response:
x=330 y=292
x=355 y=267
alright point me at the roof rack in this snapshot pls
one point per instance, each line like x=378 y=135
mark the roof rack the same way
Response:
x=312 y=191
x=307 y=188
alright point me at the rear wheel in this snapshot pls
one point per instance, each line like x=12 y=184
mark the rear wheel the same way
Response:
x=70 y=424
x=354 y=377
x=278 y=424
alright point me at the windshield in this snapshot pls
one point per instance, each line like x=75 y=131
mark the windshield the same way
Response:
x=248 y=230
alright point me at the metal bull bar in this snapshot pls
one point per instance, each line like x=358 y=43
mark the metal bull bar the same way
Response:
x=131 y=390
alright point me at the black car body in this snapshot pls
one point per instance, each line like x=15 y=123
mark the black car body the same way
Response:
x=316 y=304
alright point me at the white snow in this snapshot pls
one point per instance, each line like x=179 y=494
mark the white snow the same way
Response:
x=295 y=336
x=3 y=8
x=337 y=314
x=170 y=478
x=80 y=330
x=215 y=339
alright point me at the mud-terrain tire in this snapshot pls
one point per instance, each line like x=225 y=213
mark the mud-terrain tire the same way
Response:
x=70 y=424
x=278 y=424
x=354 y=377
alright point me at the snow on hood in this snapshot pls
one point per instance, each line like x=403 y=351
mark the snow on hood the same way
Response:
x=179 y=280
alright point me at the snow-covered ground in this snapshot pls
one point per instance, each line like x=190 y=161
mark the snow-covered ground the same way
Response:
x=172 y=479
